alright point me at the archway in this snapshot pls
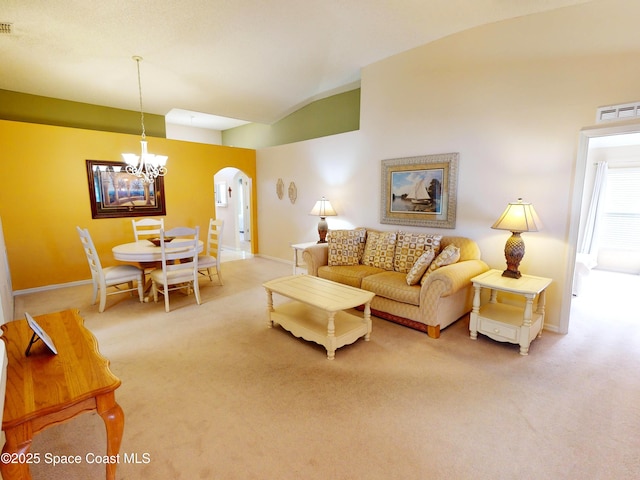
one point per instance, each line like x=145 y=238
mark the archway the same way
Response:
x=233 y=205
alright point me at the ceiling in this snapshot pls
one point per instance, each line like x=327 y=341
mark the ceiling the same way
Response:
x=219 y=60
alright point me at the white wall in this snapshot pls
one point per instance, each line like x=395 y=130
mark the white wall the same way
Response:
x=227 y=213
x=193 y=134
x=510 y=97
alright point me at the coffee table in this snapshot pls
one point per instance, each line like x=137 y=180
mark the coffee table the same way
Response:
x=317 y=310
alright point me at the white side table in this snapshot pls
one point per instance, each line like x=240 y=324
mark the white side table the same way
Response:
x=508 y=323
x=299 y=247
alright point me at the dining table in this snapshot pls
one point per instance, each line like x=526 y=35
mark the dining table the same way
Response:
x=145 y=253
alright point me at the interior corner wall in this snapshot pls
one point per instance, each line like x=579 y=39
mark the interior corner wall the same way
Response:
x=44 y=195
x=510 y=100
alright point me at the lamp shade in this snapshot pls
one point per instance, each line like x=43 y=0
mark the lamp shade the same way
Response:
x=323 y=208
x=518 y=217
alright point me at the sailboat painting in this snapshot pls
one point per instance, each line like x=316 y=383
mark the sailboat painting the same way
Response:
x=417 y=191
x=420 y=191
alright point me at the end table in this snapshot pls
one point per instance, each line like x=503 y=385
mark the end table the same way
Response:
x=508 y=323
x=299 y=247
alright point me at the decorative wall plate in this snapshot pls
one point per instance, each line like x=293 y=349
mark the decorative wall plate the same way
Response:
x=293 y=192
x=280 y=188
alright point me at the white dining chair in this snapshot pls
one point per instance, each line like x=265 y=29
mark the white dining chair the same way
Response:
x=115 y=276
x=143 y=230
x=210 y=261
x=179 y=264
x=147 y=228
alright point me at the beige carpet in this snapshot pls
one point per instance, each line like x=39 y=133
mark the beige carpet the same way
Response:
x=209 y=392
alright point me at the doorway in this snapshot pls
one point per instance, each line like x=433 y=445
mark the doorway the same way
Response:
x=233 y=205
x=590 y=139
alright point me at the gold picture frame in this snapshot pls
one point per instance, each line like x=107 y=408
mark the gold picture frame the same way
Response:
x=420 y=191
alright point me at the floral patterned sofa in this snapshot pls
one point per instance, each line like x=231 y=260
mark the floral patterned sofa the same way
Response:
x=421 y=280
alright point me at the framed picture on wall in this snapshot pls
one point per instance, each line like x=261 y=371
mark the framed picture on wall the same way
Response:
x=420 y=191
x=115 y=193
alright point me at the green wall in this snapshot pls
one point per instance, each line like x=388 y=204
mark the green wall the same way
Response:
x=329 y=116
x=22 y=107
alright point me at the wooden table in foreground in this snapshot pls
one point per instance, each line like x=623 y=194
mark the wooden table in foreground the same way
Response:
x=44 y=389
x=316 y=314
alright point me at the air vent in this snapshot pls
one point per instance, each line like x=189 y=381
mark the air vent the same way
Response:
x=6 y=28
x=613 y=113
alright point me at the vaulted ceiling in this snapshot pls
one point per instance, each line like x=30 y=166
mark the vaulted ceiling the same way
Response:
x=253 y=60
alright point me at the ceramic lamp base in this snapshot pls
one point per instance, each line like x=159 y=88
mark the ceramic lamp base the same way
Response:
x=513 y=253
x=323 y=227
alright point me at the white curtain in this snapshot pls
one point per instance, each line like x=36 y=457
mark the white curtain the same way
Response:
x=589 y=240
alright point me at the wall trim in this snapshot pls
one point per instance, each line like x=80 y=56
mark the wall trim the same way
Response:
x=56 y=286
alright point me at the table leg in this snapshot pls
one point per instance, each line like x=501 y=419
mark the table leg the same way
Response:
x=17 y=445
x=367 y=320
x=295 y=261
x=473 y=318
x=269 y=307
x=331 y=336
x=540 y=310
x=113 y=418
x=526 y=327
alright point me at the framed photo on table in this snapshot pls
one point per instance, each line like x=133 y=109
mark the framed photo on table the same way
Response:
x=420 y=191
x=38 y=334
x=114 y=193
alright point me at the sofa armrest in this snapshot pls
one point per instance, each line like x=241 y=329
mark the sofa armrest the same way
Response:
x=315 y=256
x=452 y=278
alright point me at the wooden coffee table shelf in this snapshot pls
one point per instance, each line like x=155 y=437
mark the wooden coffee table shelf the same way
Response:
x=317 y=314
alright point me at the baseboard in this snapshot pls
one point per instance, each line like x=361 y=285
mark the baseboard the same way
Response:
x=27 y=291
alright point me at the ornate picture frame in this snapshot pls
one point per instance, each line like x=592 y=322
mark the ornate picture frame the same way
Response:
x=420 y=191
x=114 y=193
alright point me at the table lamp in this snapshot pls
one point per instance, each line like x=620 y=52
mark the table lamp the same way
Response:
x=517 y=218
x=323 y=209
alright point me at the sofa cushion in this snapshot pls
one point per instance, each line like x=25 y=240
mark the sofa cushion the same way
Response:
x=392 y=285
x=379 y=249
x=421 y=265
x=347 y=274
x=345 y=247
x=410 y=246
x=449 y=255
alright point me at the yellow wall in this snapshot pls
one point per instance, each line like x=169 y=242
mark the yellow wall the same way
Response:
x=44 y=194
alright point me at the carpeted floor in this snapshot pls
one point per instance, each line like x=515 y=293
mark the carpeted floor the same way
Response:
x=209 y=392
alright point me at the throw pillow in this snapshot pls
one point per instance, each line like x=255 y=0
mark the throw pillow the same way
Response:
x=379 y=249
x=410 y=246
x=448 y=256
x=421 y=265
x=346 y=246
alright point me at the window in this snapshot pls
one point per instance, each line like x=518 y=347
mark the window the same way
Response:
x=621 y=216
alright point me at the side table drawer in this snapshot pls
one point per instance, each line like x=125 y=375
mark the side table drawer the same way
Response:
x=496 y=329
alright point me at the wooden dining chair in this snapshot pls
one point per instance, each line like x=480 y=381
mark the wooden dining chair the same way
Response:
x=210 y=261
x=179 y=264
x=104 y=278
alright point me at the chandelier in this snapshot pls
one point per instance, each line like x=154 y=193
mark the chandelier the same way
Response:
x=146 y=166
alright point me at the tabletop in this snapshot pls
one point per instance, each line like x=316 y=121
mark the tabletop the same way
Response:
x=43 y=382
x=319 y=292
x=142 y=251
x=527 y=284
